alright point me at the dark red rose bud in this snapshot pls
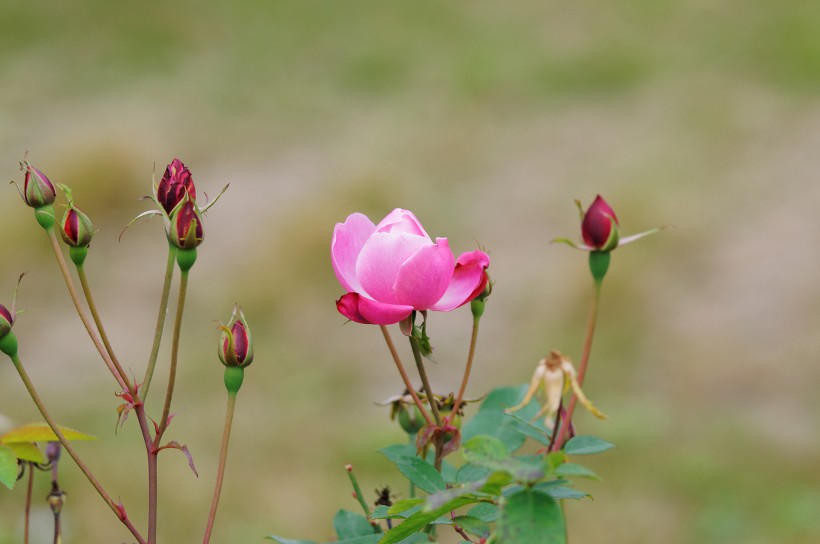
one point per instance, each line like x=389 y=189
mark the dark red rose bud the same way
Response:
x=186 y=226
x=6 y=321
x=600 y=226
x=37 y=190
x=175 y=184
x=77 y=229
x=236 y=343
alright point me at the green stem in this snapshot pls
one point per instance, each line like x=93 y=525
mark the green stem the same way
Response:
x=163 y=310
x=412 y=485
x=582 y=368
x=468 y=368
x=414 y=344
x=72 y=291
x=98 y=322
x=151 y=454
x=70 y=449
x=183 y=288
x=357 y=491
x=220 y=473
x=28 y=502
x=410 y=389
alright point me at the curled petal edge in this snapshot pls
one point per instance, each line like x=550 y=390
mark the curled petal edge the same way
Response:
x=363 y=310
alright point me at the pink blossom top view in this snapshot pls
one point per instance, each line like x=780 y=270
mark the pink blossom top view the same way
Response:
x=393 y=268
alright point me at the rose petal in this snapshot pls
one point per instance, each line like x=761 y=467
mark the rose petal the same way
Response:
x=402 y=221
x=348 y=239
x=467 y=282
x=381 y=259
x=361 y=309
x=424 y=277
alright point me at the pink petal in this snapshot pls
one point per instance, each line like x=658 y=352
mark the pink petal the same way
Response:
x=370 y=312
x=424 y=277
x=348 y=239
x=381 y=259
x=402 y=221
x=468 y=281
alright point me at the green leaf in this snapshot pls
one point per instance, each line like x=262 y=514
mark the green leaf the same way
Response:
x=27 y=451
x=349 y=525
x=490 y=452
x=471 y=473
x=394 y=451
x=530 y=517
x=366 y=539
x=534 y=429
x=8 y=467
x=421 y=473
x=420 y=520
x=492 y=420
x=485 y=511
x=559 y=492
x=572 y=469
x=485 y=450
x=41 y=432
x=586 y=445
x=472 y=525
x=417 y=538
x=283 y=540
x=404 y=504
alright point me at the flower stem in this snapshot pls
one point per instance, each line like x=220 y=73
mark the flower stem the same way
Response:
x=120 y=377
x=183 y=288
x=410 y=389
x=70 y=449
x=28 y=502
x=223 y=456
x=414 y=344
x=151 y=454
x=468 y=368
x=582 y=369
x=98 y=322
x=163 y=310
x=357 y=490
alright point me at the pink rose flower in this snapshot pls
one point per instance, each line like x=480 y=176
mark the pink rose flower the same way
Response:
x=393 y=268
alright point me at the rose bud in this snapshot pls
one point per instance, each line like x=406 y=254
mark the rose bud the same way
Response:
x=175 y=184
x=6 y=321
x=77 y=228
x=600 y=226
x=186 y=226
x=38 y=190
x=236 y=344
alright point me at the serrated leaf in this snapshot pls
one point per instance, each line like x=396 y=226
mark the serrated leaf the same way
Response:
x=472 y=525
x=394 y=451
x=559 y=492
x=283 y=540
x=485 y=511
x=8 y=467
x=471 y=473
x=420 y=520
x=350 y=525
x=41 y=432
x=27 y=451
x=421 y=473
x=573 y=469
x=492 y=419
x=417 y=538
x=530 y=517
x=490 y=452
x=587 y=445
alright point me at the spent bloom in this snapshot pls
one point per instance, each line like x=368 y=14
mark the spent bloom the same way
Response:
x=393 y=268
x=236 y=343
x=176 y=182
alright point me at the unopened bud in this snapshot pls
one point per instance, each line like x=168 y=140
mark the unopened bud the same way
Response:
x=38 y=191
x=186 y=226
x=599 y=227
x=176 y=183
x=236 y=342
x=77 y=229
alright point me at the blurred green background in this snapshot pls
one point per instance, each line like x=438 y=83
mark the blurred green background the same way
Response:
x=487 y=119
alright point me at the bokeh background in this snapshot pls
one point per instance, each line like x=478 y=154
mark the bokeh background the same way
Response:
x=487 y=119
